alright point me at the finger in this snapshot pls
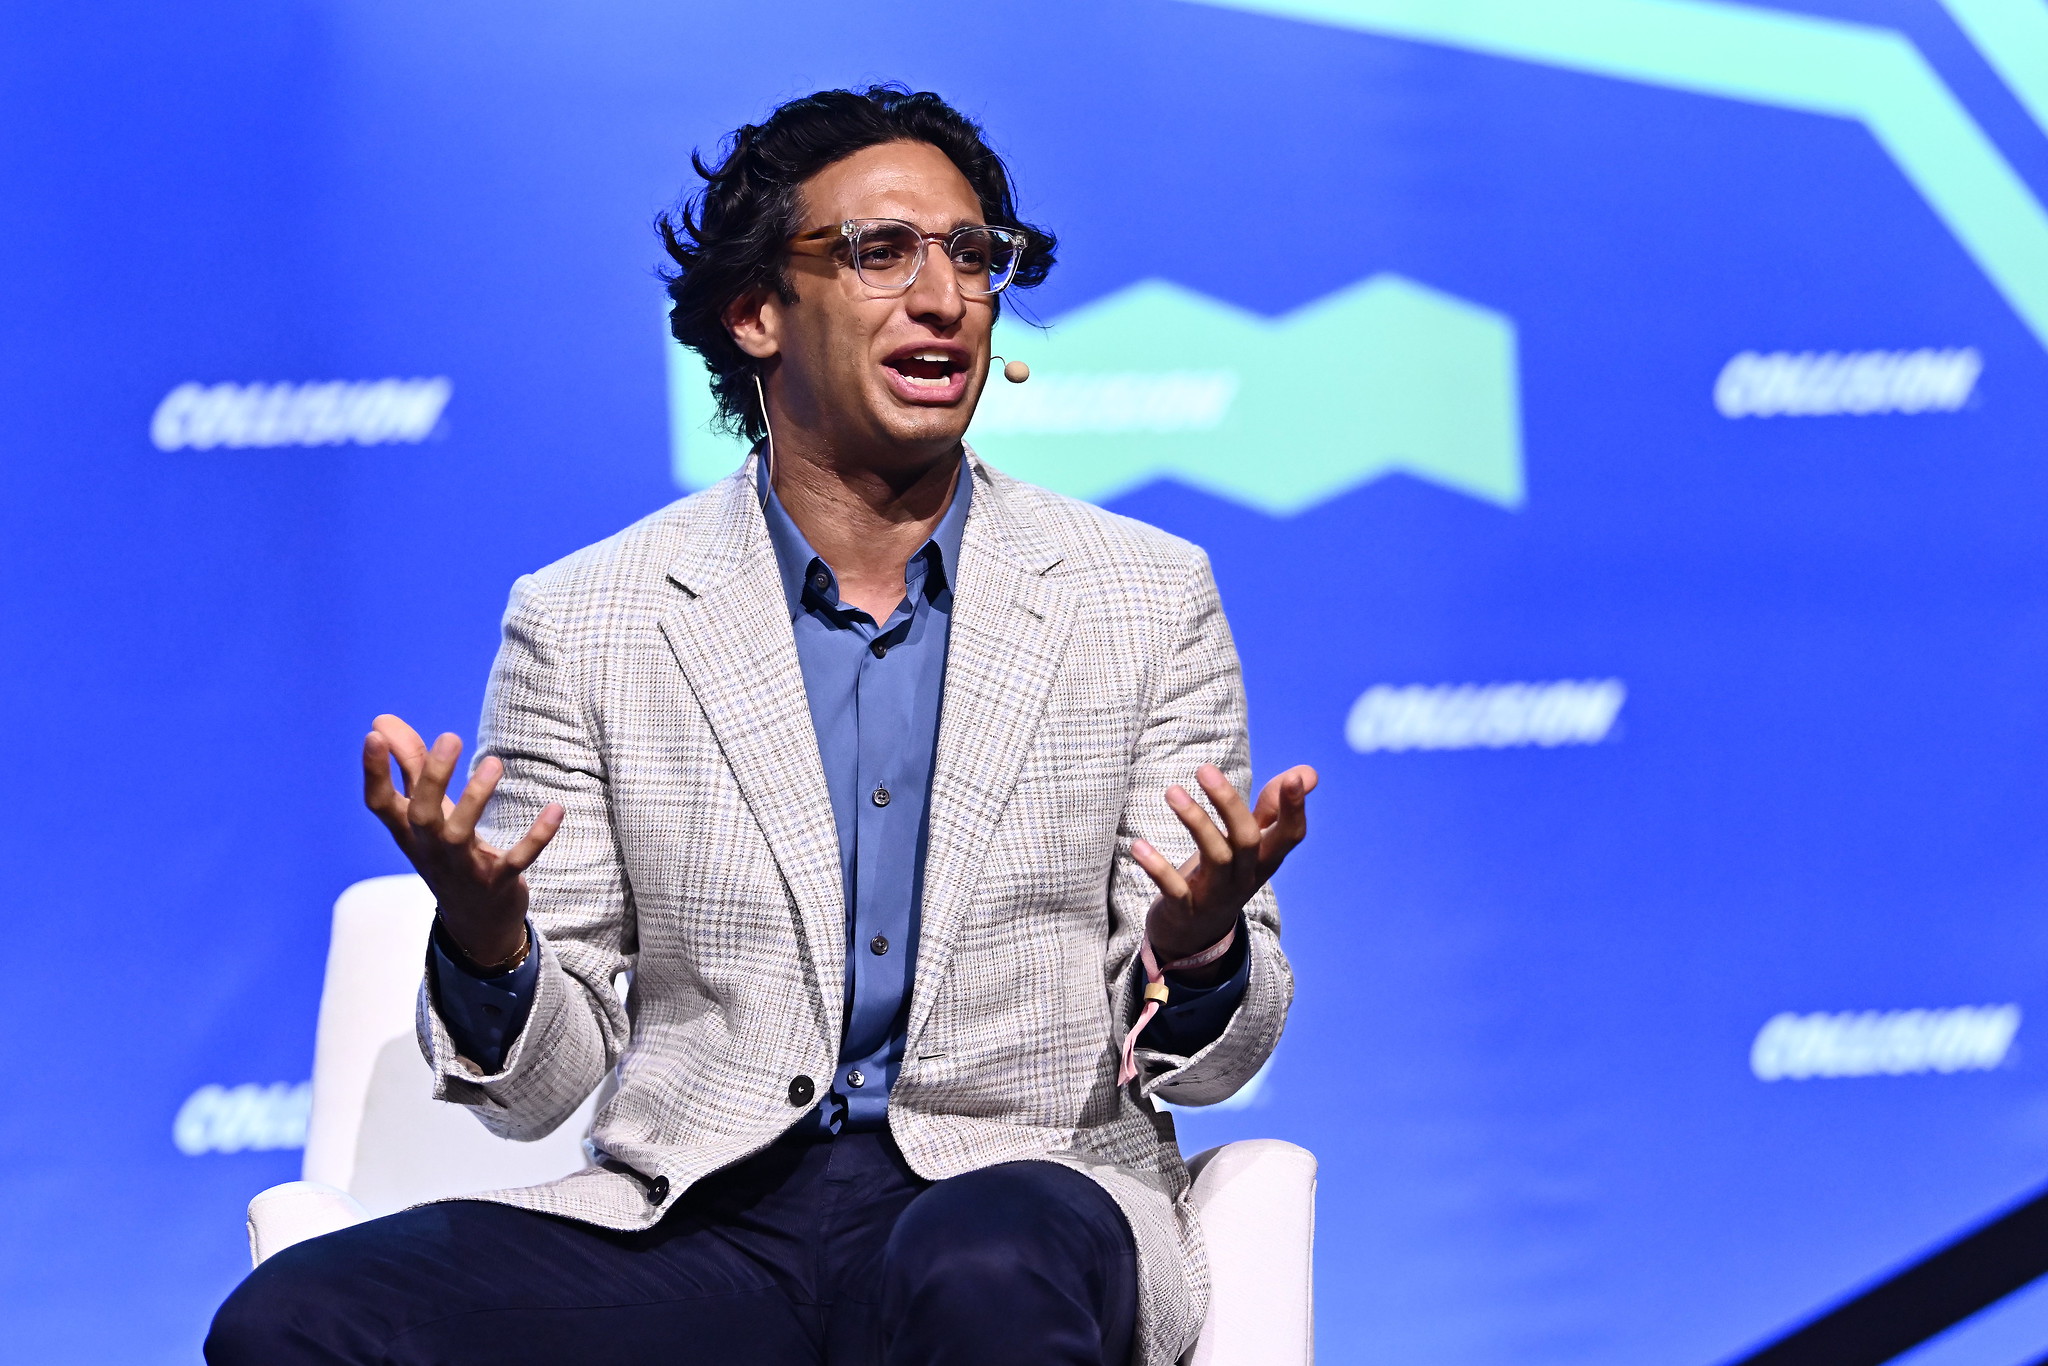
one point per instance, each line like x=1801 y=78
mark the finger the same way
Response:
x=1268 y=809
x=1164 y=875
x=1237 y=818
x=378 y=793
x=430 y=785
x=520 y=856
x=1291 y=827
x=1294 y=799
x=459 y=823
x=1208 y=839
x=406 y=746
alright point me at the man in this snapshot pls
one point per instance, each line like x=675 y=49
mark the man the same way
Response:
x=861 y=762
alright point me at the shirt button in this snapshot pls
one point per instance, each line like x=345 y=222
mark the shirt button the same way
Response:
x=880 y=796
x=856 y=1080
x=801 y=1089
x=878 y=649
x=821 y=581
x=879 y=945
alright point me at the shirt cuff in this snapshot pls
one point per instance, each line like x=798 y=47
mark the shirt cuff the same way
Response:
x=483 y=1014
x=1195 y=1017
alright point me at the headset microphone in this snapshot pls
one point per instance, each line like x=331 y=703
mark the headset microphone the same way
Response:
x=1015 y=371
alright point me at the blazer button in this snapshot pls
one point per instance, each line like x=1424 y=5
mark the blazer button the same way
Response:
x=880 y=796
x=658 y=1192
x=801 y=1090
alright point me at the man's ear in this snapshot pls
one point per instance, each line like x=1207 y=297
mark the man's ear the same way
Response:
x=755 y=321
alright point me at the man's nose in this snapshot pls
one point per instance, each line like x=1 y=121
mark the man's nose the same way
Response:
x=935 y=294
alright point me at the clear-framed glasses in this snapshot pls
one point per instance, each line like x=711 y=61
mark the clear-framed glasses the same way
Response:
x=888 y=253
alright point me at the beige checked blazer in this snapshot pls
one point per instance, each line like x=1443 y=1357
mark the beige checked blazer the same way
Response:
x=650 y=685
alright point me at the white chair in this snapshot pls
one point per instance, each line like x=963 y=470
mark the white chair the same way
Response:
x=378 y=1142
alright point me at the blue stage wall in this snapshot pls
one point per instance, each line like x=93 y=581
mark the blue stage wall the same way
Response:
x=1618 y=426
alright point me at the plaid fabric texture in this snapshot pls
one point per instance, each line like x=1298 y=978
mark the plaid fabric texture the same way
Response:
x=650 y=684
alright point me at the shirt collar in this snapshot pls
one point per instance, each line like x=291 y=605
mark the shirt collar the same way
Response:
x=794 y=555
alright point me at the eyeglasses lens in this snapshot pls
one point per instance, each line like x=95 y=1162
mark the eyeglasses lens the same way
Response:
x=888 y=255
x=985 y=258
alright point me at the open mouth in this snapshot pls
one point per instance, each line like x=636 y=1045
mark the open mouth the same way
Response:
x=929 y=373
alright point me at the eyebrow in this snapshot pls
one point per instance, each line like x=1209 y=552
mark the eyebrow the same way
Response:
x=957 y=223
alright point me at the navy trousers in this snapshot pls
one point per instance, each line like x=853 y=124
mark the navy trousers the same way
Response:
x=810 y=1252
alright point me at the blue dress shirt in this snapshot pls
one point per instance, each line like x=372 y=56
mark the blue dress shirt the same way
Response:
x=874 y=691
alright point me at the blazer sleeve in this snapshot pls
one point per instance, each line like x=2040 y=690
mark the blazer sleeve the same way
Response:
x=1196 y=715
x=537 y=722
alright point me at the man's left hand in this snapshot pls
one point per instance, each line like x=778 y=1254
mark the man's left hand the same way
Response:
x=1199 y=901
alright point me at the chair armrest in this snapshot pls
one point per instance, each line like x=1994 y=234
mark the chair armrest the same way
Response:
x=1257 y=1201
x=296 y=1211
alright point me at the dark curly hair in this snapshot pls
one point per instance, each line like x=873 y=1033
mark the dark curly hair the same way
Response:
x=730 y=237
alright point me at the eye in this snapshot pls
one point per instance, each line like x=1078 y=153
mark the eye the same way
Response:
x=971 y=252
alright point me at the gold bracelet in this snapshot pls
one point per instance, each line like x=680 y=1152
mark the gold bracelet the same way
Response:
x=518 y=958
x=511 y=963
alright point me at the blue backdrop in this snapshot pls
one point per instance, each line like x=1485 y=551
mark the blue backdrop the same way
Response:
x=1671 y=636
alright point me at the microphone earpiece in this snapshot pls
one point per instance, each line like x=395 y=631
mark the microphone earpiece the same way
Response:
x=1015 y=371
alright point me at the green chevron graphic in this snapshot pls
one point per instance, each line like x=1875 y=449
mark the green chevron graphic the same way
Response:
x=1769 y=57
x=1276 y=414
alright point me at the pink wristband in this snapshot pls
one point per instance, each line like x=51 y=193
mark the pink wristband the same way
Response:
x=1155 y=992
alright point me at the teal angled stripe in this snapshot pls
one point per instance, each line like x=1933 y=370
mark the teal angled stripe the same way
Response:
x=2013 y=36
x=1818 y=66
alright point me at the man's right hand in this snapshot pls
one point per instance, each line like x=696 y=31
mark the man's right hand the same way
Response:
x=480 y=890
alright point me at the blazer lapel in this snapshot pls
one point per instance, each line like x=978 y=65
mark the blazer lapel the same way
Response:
x=731 y=635
x=1008 y=636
